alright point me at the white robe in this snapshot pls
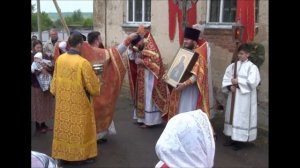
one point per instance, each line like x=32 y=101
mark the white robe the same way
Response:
x=189 y=95
x=187 y=141
x=188 y=98
x=244 y=127
x=152 y=113
x=110 y=131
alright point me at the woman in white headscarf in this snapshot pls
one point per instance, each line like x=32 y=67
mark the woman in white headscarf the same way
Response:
x=187 y=141
x=41 y=160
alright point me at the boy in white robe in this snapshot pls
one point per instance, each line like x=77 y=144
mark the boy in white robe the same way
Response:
x=243 y=127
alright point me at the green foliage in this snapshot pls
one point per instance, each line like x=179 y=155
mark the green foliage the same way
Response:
x=57 y=24
x=257 y=54
x=33 y=22
x=88 y=22
x=69 y=20
x=76 y=18
x=54 y=16
x=46 y=22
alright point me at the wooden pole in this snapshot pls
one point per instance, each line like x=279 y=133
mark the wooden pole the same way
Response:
x=234 y=92
x=39 y=20
x=61 y=17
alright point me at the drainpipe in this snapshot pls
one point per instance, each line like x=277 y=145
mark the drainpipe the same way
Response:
x=105 y=32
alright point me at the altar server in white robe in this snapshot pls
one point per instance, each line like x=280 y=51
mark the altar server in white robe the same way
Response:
x=244 y=123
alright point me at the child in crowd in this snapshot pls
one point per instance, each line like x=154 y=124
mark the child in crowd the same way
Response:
x=37 y=67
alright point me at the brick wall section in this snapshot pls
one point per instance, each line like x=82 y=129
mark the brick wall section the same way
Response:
x=220 y=37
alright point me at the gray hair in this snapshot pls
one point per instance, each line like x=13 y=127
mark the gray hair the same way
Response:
x=52 y=30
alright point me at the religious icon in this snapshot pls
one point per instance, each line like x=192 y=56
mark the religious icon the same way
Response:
x=181 y=66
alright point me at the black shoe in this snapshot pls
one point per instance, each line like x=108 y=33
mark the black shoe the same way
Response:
x=75 y=163
x=102 y=140
x=237 y=146
x=37 y=126
x=61 y=162
x=229 y=143
x=138 y=123
x=43 y=125
x=88 y=161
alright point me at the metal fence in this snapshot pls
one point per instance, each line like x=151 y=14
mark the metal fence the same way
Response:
x=62 y=35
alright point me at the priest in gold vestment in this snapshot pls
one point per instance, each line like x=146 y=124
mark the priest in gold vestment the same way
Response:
x=73 y=84
x=112 y=78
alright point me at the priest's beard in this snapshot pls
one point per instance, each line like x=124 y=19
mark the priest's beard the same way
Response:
x=189 y=46
x=141 y=47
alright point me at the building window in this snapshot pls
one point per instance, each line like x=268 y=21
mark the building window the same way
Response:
x=138 y=11
x=224 y=11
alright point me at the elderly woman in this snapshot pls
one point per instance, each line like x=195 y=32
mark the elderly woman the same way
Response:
x=187 y=141
x=42 y=102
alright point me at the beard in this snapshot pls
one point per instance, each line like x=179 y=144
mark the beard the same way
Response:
x=189 y=46
x=138 y=47
x=141 y=47
x=101 y=45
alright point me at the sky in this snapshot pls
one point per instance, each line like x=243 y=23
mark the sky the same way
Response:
x=65 y=5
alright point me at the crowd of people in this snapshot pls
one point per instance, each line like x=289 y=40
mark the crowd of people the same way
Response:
x=65 y=87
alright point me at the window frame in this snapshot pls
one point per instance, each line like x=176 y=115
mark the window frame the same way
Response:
x=220 y=23
x=133 y=13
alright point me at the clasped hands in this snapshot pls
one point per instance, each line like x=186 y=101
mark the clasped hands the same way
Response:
x=234 y=82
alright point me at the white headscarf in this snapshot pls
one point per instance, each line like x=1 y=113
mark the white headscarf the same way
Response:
x=63 y=46
x=41 y=160
x=38 y=55
x=187 y=141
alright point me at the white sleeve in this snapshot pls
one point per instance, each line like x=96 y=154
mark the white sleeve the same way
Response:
x=121 y=48
x=246 y=85
x=130 y=55
x=33 y=67
x=227 y=78
x=193 y=78
x=133 y=55
x=48 y=62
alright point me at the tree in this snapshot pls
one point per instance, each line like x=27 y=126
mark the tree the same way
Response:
x=88 y=22
x=69 y=20
x=33 y=18
x=57 y=24
x=45 y=21
x=34 y=22
x=77 y=17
